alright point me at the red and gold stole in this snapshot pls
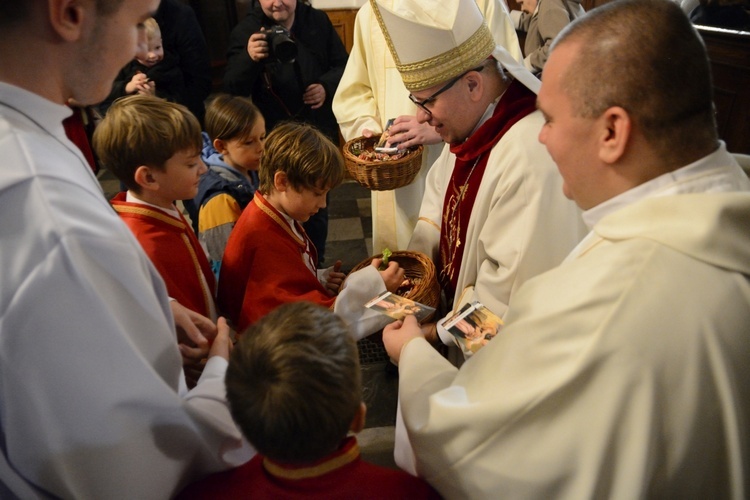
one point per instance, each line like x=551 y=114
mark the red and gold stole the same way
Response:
x=471 y=162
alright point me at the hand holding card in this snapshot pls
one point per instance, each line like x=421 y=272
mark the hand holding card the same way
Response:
x=398 y=307
x=381 y=145
x=472 y=327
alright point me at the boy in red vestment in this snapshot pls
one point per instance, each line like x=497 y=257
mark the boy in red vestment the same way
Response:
x=269 y=259
x=294 y=388
x=153 y=147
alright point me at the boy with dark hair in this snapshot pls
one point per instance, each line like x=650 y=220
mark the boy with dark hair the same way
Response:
x=153 y=146
x=269 y=260
x=294 y=388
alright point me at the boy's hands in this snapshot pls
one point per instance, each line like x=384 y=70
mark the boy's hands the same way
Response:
x=393 y=276
x=335 y=278
x=194 y=331
x=198 y=337
x=222 y=344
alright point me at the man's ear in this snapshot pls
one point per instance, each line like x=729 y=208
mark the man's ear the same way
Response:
x=67 y=18
x=145 y=178
x=280 y=182
x=220 y=146
x=358 y=422
x=616 y=129
x=476 y=85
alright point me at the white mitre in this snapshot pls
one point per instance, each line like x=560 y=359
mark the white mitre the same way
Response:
x=433 y=41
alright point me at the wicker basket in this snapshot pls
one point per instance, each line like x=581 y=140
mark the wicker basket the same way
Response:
x=419 y=268
x=381 y=175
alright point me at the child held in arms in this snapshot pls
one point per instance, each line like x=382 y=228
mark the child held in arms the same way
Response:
x=153 y=71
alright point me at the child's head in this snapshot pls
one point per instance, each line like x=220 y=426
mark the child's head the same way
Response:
x=298 y=168
x=306 y=157
x=151 y=52
x=294 y=384
x=237 y=129
x=141 y=135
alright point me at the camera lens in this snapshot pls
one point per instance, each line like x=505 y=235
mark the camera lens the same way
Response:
x=281 y=47
x=284 y=49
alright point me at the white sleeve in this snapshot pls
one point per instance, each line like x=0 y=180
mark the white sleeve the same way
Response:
x=358 y=289
x=91 y=372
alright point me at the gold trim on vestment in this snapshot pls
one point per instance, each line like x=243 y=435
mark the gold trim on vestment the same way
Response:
x=430 y=222
x=442 y=67
x=180 y=224
x=150 y=212
x=305 y=246
x=280 y=221
x=207 y=296
x=314 y=471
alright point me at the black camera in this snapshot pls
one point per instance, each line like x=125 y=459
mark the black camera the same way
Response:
x=280 y=44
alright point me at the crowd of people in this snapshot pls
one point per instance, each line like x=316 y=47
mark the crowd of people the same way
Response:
x=590 y=208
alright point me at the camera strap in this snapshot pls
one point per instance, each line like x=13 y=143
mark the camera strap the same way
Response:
x=269 y=87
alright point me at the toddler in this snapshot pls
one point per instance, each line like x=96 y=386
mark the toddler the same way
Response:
x=153 y=71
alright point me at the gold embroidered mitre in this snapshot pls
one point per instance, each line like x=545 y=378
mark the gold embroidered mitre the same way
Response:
x=433 y=41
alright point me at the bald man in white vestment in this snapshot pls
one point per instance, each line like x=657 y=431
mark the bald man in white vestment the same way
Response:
x=624 y=372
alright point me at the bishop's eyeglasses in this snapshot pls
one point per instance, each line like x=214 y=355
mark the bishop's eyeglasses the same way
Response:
x=423 y=104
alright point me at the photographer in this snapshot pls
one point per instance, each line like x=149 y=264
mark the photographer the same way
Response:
x=301 y=90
